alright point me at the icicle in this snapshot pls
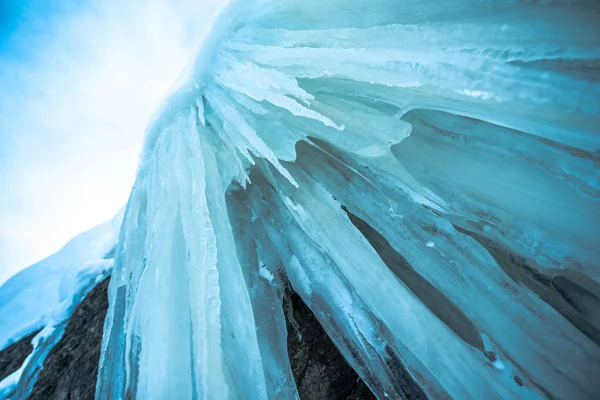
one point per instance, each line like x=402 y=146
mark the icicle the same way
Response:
x=425 y=176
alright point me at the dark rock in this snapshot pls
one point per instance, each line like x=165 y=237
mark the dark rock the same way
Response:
x=319 y=369
x=12 y=357
x=71 y=367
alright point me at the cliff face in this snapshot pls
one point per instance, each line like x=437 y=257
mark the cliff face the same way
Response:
x=319 y=369
x=12 y=357
x=72 y=366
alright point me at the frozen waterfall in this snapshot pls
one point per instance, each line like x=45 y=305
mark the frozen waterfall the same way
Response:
x=424 y=174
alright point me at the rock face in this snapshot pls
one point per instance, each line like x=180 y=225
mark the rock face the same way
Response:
x=319 y=369
x=72 y=366
x=12 y=357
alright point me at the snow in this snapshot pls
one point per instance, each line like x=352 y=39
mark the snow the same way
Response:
x=29 y=298
x=265 y=274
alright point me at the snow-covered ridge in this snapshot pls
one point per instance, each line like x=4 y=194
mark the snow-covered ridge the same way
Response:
x=43 y=296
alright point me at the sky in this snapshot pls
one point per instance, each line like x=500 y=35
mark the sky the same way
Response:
x=79 y=80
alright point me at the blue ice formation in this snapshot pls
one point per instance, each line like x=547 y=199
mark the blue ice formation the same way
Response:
x=423 y=173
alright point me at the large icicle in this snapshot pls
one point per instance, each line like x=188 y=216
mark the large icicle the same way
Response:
x=505 y=316
x=178 y=288
x=424 y=175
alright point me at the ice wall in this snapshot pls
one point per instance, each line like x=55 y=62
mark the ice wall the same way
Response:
x=424 y=174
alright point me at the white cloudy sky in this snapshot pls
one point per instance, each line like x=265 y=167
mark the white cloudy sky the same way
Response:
x=78 y=82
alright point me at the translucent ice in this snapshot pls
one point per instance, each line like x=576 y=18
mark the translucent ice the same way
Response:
x=425 y=176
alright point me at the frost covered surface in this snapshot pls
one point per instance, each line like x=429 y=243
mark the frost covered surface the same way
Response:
x=452 y=131
x=44 y=295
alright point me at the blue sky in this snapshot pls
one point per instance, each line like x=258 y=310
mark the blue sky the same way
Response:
x=78 y=82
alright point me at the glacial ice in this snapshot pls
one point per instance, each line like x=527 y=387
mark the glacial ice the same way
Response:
x=425 y=176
